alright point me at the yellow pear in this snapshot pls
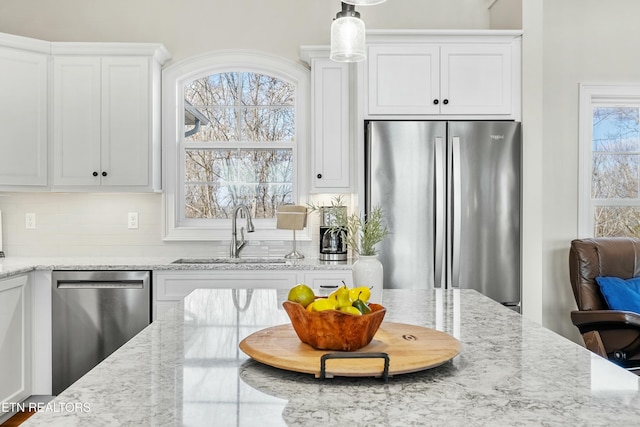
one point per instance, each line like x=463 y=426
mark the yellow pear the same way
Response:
x=361 y=293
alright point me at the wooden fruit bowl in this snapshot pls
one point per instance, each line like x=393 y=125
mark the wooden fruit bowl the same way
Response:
x=332 y=329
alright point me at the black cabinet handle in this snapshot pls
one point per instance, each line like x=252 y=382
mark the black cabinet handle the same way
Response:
x=435 y=102
x=445 y=102
x=319 y=176
x=95 y=174
x=104 y=174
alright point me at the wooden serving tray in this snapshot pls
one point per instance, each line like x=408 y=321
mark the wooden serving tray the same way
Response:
x=410 y=348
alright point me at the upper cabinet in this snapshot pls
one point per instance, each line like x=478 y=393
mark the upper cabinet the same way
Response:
x=80 y=116
x=24 y=112
x=476 y=79
x=106 y=123
x=430 y=73
x=330 y=124
x=403 y=79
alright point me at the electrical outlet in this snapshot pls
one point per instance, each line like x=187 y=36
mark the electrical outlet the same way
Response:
x=30 y=220
x=132 y=220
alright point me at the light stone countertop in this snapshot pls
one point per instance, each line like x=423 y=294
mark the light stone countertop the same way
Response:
x=11 y=266
x=186 y=369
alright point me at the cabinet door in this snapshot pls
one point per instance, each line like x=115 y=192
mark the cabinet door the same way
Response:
x=76 y=121
x=403 y=79
x=126 y=122
x=324 y=282
x=171 y=287
x=331 y=152
x=476 y=79
x=23 y=108
x=15 y=340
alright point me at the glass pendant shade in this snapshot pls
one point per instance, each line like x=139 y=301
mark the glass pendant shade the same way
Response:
x=363 y=2
x=348 y=40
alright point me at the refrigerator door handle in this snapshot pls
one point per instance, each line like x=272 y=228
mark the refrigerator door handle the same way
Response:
x=456 y=212
x=367 y=162
x=440 y=214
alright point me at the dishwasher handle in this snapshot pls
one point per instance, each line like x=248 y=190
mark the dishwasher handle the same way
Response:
x=113 y=284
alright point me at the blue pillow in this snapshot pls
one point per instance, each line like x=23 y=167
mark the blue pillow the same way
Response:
x=621 y=294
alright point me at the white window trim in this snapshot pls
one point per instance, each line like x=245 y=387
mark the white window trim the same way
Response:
x=173 y=79
x=591 y=94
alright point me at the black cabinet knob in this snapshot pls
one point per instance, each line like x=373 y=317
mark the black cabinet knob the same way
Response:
x=95 y=174
x=435 y=102
x=319 y=176
x=104 y=174
x=445 y=101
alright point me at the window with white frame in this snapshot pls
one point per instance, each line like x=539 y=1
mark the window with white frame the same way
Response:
x=609 y=197
x=234 y=133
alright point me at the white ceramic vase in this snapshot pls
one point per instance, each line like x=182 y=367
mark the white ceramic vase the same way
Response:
x=367 y=271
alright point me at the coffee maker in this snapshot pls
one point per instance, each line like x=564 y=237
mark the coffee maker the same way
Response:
x=333 y=245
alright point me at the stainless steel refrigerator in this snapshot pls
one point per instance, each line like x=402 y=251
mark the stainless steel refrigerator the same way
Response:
x=450 y=192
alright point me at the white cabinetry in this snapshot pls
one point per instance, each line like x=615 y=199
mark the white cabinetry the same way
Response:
x=327 y=280
x=476 y=79
x=403 y=79
x=24 y=112
x=331 y=132
x=170 y=287
x=106 y=103
x=15 y=340
x=470 y=75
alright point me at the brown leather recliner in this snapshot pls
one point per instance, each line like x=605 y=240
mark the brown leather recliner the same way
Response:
x=612 y=334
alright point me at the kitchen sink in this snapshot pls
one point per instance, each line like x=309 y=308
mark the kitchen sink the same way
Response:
x=230 y=261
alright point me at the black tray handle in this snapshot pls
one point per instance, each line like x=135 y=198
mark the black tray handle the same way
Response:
x=348 y=355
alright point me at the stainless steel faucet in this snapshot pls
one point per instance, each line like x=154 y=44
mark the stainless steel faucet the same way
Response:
x=235 y=245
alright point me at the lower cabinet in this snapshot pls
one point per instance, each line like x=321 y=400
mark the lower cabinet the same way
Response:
x=15 y=341
x=327 y=281
x=170 y=287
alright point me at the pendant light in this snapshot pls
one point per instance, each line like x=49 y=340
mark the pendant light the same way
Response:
x=347 y=36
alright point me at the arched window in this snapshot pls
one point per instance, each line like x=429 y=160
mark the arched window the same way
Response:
x=234 y=133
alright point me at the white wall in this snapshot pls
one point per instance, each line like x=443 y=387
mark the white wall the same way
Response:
x=189 y=27
x=505 y=14
x=580 y=41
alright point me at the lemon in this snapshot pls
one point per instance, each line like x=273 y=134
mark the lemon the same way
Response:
x=301 y=294
x=323 y=304
x=351 y=310
x=310 y=306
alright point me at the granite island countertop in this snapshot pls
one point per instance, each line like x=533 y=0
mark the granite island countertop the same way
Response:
x=186 y=369
x=12 y=266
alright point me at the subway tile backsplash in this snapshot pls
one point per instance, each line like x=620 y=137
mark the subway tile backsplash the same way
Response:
x=95 y=224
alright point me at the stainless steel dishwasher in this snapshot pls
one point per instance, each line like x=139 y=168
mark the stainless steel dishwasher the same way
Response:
x=93 y=314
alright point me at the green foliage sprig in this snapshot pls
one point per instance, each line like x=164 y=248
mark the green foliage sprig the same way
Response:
x=335 y=208
x=363 y=234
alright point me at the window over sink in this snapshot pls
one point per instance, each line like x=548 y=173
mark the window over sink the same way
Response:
x=234 y=133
